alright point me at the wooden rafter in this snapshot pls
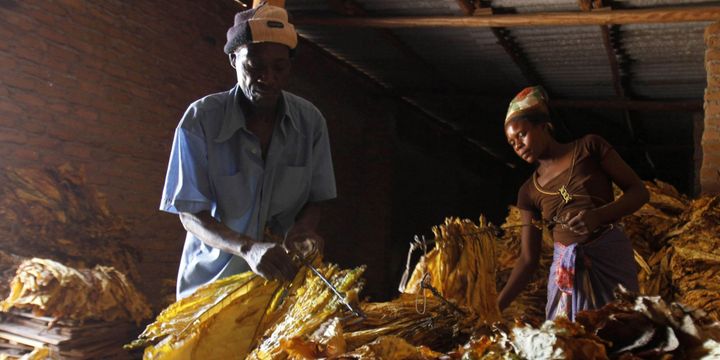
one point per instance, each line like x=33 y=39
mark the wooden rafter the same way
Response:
x=612 y=50
x=506 y=41
x=516 y=54
x=627 y=104
x=351 y=8
x=634 y=16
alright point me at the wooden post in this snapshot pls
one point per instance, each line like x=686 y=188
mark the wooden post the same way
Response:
x=639 y=16
x=279 y=3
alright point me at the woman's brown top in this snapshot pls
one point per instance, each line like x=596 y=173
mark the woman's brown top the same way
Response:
x=589 y=186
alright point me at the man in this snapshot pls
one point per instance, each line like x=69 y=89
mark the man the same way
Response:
x=249 y=160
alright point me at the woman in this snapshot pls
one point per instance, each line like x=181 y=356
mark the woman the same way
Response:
x=571 y=193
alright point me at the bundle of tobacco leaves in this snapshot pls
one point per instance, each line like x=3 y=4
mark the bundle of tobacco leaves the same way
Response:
x=694 y=256
x=54 y=214
x=461 y=267
x=416 y=319
x=49 y=288
x=246 y=316
x=530 y=304
x=647 y=227
x=8 y=266
x=391 y=348
x=642 y=327
x=410 y=323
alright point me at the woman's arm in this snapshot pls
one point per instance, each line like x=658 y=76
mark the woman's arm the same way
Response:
x=267 y=259
x=527 y=262
x=634 y=196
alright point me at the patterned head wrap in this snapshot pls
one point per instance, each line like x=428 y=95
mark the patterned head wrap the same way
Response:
x=532 y=99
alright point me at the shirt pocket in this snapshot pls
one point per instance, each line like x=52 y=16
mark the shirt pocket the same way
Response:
x=235 y=196
x=290 y=189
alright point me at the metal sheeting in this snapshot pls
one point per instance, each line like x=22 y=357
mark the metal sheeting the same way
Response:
x=666 y=60
x=531 y=6
x=369 y=51
x=571 y=61
x=468 y=58
x=412 y=8
x=629 y=4
x=659 y=61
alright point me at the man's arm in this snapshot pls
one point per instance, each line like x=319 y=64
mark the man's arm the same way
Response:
x=267 y=259
x=305 y=227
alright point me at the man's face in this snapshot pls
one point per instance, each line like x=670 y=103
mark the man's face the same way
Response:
x=263 y=70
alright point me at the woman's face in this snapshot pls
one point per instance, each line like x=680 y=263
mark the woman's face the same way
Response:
x=528 y=140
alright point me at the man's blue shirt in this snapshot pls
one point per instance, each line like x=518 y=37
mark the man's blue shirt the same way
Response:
x=216 y=165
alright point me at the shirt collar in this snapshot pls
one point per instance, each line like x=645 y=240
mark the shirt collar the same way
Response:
x=234 y=119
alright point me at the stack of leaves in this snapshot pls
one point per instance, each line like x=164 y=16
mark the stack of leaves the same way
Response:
x=308 y=308
x=418 y=320
x=559 y=339
x=391 y=348
x=409 y=324
x=220 y=319
x=641 y=327
x=54 y=214
x=631 y=327
x=245 y=316
x=493 y=346
x=49 y=288
x=647 y=227
x=530 y=304
x=694 y=256
x=461 y=267
x=8 y=267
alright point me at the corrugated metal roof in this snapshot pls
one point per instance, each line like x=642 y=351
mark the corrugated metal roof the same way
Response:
x=658 y=61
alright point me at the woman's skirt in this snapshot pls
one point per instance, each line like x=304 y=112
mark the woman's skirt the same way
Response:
x=585 y=276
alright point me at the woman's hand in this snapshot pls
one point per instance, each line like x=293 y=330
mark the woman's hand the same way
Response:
x=583 y=223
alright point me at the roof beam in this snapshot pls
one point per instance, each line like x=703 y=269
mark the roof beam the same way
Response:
x=634 y=105
x=352 y=9
x=681 y=105
x=635 y=16
x=517 y=55
x=506 y=41
x=611 y=49
x=279 y=3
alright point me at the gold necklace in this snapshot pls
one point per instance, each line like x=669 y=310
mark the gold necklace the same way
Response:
x=562 y=191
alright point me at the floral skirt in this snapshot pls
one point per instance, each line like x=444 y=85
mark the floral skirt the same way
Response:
x=584 y=276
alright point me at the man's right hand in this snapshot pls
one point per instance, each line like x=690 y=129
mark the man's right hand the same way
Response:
x=271 y=261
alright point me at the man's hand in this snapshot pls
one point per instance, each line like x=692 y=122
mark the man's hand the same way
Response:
x=303 y=242
x=271 y=261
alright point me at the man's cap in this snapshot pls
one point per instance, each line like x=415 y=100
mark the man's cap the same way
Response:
x=531 y=100
x=265 y=23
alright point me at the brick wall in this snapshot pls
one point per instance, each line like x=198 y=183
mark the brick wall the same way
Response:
x=102 y=85
x=710 y=168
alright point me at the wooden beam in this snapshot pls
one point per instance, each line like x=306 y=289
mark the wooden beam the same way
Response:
x=439 y=121
x=352 y=8
x=279 y=3
x=635 y=105
x=639 y=16
x=466 y=7
x=517 y=55
x=611 y=50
